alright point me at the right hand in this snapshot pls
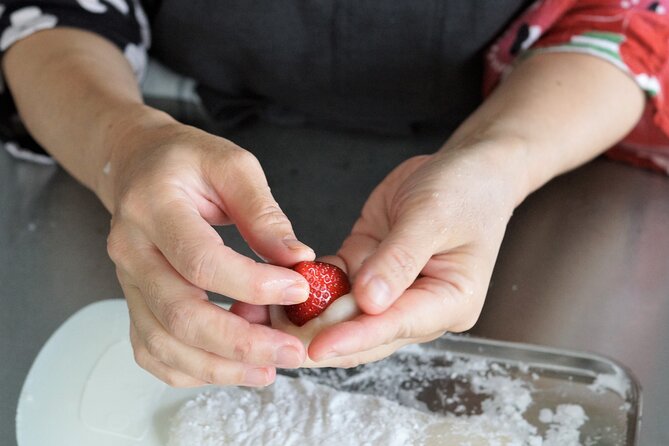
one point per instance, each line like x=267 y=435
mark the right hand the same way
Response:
x=168 y=184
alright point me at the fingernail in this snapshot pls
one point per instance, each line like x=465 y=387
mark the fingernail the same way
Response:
x=378 y=292
x=294 y=244
x=294 y=294
x=287 y=357
x=256 y=377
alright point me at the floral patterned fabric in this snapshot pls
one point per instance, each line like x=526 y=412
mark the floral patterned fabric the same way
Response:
x=633 y=35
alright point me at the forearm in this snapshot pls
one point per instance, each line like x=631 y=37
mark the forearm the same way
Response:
x=77 y=95
x=553 y=113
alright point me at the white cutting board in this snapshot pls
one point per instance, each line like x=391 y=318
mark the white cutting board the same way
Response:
x=84 y=387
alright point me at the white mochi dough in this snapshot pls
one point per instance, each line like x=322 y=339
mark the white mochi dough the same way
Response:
x=343 y=309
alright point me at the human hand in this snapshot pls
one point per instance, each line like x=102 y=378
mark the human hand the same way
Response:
x=421 y=254
x=170 y=184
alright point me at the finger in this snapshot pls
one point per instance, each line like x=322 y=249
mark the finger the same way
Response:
x=259 y=314
x=254 y=314
x=356 y=249
x=206 y=367
x=394 y=266
x=166 y=374
x=185 y=313
x=249 y=202
x=374 y=354
x=334 y=260
x=197 y=252
x=428 y=308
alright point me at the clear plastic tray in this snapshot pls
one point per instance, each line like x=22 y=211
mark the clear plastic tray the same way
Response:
x=443 y=383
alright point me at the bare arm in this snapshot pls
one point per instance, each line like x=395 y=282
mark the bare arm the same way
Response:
x=559 y=110
x=165 y=184
x=74 y=90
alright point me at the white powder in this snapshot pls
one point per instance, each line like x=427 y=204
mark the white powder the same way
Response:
x=291 y=410
x=564 y=424
x=428 y=399
x=616 y=382
x=296 y=411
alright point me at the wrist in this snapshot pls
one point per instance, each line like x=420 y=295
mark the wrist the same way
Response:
x=127 y=131
x=501 y=160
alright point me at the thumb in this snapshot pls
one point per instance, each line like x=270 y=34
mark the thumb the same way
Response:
x=394 y=266
x=249 y=202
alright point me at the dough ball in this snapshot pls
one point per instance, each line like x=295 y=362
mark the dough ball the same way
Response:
x=343 y=309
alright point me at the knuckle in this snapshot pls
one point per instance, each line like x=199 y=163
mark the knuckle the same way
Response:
x=132 y=202
x=403 y=327
x=117 y=247
x=403 y=262
x=234 y=334
x=155 y=344
x=178 y=318
x=141 y=356
x=153 y=289
x=257 y=292
x=198 y=267
x=236 y=377
x=269 y=214
x=214 y=374
x=209 y=372
x=242 y=350
x=242 y=159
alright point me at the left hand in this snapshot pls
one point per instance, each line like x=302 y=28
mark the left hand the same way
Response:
x=422 y=253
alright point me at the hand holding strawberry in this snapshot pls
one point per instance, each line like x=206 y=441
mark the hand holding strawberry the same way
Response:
x=421 y=254
x=173 y=182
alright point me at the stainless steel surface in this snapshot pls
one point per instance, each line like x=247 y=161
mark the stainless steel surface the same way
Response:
x=585 y=264
x=442 y=375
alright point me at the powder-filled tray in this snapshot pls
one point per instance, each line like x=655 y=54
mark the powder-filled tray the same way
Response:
x=468 y=376
x=84 y=387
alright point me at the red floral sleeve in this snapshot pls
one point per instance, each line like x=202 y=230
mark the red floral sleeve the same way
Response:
x=633 y=35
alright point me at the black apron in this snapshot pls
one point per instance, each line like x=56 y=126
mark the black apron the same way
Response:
x=384 y=65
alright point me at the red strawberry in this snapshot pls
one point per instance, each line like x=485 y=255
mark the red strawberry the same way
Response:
x=327 y=283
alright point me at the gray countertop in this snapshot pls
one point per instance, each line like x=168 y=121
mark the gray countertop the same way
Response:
x=584 y=266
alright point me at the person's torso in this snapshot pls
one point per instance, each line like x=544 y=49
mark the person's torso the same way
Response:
x=373 y=64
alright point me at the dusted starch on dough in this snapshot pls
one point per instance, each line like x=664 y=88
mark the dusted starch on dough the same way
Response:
x=342 y=309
